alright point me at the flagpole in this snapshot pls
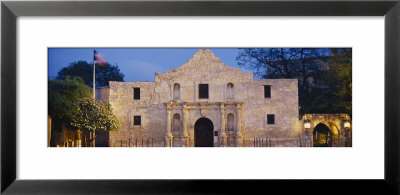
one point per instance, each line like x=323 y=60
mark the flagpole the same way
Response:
x=94 y=90
x=94 y=76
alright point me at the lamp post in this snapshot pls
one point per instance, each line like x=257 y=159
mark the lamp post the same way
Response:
x=347 y=133
x=307 y=126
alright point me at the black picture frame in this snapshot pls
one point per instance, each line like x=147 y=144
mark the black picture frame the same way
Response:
x=10 y=10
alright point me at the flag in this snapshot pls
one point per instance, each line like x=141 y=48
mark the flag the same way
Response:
x=99 y=59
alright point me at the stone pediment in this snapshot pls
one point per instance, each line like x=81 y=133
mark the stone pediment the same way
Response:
x=203 y=64
x=206 y=60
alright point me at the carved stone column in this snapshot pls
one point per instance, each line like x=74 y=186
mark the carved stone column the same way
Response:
x=239 y=136
x=168 y=136
x=223 y=126
x=185 y=125
x=308 y=137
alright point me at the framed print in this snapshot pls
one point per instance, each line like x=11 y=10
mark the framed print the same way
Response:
x=175 y=174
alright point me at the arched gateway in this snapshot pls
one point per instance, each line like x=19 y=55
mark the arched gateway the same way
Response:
x=322 y=136
x=203 y=133
x=327 y=130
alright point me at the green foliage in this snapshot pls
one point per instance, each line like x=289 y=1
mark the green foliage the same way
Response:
x=325 y=76
x=83 y=69
x=336 y=96
x=62 y=95
x=92 y=115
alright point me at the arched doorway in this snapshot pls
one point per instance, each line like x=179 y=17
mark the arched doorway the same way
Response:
x=203 y=133
x=322 y=136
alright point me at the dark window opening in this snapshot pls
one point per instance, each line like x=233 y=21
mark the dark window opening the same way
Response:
x=270 y=119
x=137 y=120
x=136 y=93
x=215 y=133
x=203 y=91
x=267 y=91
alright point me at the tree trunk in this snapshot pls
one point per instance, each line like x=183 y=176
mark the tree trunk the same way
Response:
x=94 y=139
x=49 y=130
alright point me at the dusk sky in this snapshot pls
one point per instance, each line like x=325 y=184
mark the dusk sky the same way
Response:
x=137 y=64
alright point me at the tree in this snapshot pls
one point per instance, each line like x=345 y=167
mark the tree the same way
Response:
x=62 y=95
x=342 y=72
x=83 y=69
x=336 y=96
x=93 y=116
x=300 y=63
x=324 y=74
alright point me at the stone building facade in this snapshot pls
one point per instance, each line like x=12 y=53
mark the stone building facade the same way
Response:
x=204 y=103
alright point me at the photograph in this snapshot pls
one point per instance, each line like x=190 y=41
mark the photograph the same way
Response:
x=199 y=97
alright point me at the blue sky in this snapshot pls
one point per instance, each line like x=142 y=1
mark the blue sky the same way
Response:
x=137 y=64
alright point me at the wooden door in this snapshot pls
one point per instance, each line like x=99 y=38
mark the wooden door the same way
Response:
x=203 y=133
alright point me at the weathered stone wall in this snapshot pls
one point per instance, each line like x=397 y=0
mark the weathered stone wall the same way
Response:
x=283 y=104
x=205 y=68
x=102 y=94
x=149 y=107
